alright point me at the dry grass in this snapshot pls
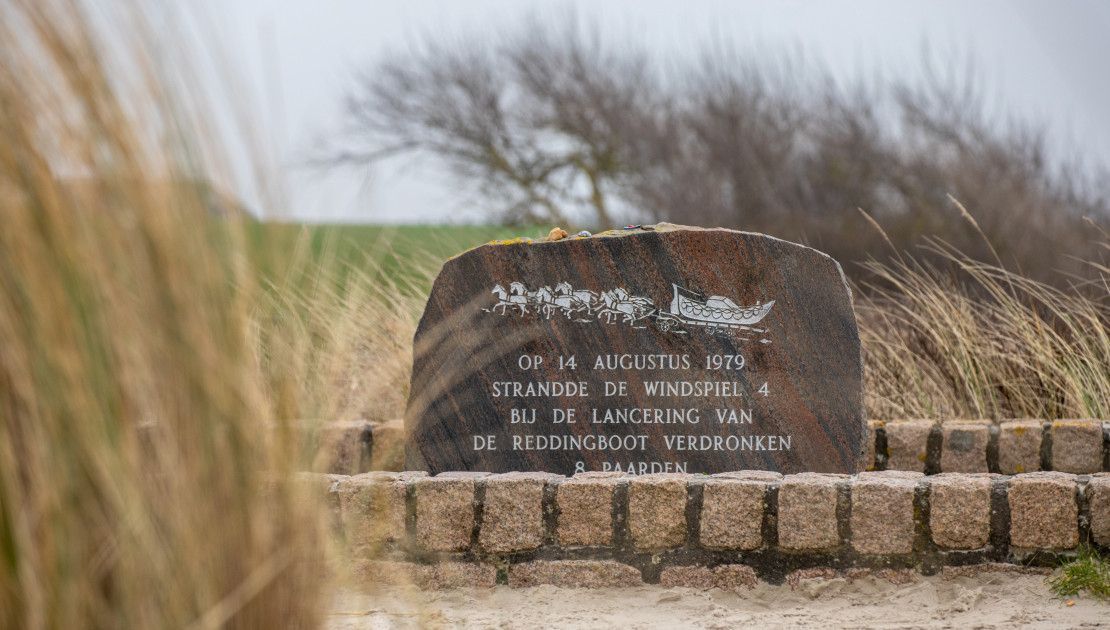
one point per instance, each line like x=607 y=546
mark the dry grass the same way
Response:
x=975 y=340
x=140 y=483
x=350 y=329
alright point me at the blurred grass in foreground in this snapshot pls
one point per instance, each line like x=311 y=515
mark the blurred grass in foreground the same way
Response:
x=146 y=454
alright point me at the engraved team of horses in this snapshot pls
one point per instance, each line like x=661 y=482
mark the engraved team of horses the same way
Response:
x=715 y=313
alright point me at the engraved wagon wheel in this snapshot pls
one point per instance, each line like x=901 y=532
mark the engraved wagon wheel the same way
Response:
x=665 y=324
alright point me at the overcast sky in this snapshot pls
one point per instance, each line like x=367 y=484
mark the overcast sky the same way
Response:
x=1048 y=60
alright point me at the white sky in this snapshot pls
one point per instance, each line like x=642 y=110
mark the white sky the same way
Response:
x=1048 y=60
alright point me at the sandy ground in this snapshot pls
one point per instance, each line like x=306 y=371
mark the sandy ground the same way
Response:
x=985 y=601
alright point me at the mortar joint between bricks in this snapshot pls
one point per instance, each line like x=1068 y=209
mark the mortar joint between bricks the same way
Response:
x=1000 y=518
x=922 y=492
x=1046 y=445
x=366 y=448
x=409 y=541
x=844 y=513
x=993 y=459
x=622 y=537
x=882 y=446
x=934 y=444
x=550 y=508
x=769 y=528
x=1106 y=446
x=1083 y=505
x=695 y=496
x=924 y=547
x=479 y=513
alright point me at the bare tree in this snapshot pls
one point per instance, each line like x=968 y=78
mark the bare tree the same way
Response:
x=550 y=124
x=536 y=125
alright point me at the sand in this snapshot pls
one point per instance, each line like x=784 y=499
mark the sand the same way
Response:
x=982 y=601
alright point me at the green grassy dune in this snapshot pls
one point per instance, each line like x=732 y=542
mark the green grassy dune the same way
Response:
x=406 y=254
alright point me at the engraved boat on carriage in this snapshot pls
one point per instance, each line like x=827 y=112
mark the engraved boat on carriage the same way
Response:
x=714 y=311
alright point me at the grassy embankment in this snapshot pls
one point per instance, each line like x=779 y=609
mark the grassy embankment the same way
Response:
x=407 y=254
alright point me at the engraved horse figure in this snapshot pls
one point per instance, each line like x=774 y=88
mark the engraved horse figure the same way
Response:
x=618 y=303
x=642 y=302
x=572 y=302
x=506 y=301
x=544 y=301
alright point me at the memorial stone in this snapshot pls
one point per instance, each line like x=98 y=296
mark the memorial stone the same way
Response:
x=650 y=349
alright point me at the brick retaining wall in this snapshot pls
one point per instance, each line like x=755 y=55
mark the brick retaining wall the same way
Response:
x=726 y=530
x=1008 y=447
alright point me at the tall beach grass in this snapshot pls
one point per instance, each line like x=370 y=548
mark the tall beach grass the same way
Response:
x=972 y=339
x=142 y=483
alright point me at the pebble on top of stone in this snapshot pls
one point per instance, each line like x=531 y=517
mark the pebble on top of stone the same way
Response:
x=556 y=234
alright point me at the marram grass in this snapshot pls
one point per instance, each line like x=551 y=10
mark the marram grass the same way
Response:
x=141 y=482
x=976 y=340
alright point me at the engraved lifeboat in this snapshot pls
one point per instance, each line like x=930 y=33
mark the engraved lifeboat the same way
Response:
x=715 y=310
